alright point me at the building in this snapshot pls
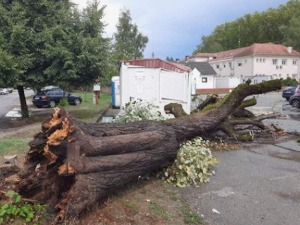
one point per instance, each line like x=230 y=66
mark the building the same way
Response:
x=156 y=81
x=203 y=76
x=259 y=62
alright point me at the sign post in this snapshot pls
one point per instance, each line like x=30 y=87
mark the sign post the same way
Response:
x=97 y=89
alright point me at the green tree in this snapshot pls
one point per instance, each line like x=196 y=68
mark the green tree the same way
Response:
x=50 y=42
x=129 y=43
x=292 y=33
x=27 y=28
x=92 y=49
x=273 y=25
x=291 y=30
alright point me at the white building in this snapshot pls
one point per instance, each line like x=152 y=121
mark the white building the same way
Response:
x=156 y=81
x=259 y=62
x=203 y=75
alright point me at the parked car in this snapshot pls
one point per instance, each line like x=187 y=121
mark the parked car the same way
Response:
x=295 y=100
x=297 y=90
x=51 y=97
x=4 y=91
x=288 y=92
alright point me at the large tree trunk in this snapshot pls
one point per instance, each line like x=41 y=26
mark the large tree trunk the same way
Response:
x=71 y=165
x=24 y=108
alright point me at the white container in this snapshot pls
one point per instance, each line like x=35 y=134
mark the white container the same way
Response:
x=157 y=85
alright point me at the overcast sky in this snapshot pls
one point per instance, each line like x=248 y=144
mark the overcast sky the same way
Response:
x=175 y=27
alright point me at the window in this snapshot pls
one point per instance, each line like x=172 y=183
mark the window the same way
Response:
x=256 y=60
x=239 y=64
x=283 y=62
x=274 y=61
x=217 y=66
x=204 y=79
x=294 y=62
x=264 y=60
x=229 y=64
x=224 y=65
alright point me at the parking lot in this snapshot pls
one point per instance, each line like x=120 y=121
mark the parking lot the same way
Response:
x=257 y=184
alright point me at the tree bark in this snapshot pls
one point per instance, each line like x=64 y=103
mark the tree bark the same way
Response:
x=211 y=99
x=71 y=165
x=24 y=108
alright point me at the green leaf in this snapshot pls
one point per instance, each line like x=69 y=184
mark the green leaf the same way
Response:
x=17 y=198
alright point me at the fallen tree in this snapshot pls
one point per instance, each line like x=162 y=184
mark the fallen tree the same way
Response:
x=71 y=165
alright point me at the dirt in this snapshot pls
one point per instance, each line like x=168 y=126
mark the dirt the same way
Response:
x=145 y=203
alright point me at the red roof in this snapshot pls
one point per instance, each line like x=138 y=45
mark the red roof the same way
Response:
x=254 y=49
x=158 y=63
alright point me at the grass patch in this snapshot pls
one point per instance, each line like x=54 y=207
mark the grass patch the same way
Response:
x=14 y=145
x=190 y=217
x=132 y=205
x=159 y=210
x=87 y=110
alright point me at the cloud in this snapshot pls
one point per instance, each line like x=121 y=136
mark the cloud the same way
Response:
x=175 y=28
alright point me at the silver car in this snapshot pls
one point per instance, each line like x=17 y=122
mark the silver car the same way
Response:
x=4 y=91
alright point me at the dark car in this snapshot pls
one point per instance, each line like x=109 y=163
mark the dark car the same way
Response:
x=51 y=97
x=295 y=100
x=288 y=92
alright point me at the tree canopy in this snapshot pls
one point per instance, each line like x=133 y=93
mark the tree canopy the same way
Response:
x=129 y=42
x=50 y=42
x=279 y=25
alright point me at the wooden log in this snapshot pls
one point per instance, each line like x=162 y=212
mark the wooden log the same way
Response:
x=71 y=165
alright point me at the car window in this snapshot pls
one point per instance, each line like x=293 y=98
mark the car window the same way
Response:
x=50 y=93
x=42 y=93
x=59 y=92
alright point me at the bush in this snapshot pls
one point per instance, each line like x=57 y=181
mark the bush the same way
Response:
x=63 y=102
x=289 y=82
x=193 y=165
x=139 y=110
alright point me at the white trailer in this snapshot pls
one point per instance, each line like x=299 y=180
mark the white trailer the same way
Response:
x=157 y=85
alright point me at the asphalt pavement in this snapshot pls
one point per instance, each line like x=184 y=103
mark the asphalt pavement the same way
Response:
x=10 y=103
x=257 y=184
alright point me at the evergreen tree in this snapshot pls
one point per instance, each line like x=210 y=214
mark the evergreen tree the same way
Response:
x=129 y=43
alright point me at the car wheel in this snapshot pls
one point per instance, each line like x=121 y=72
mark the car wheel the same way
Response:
x=295 y=103
x=52 y=103
x=77 y=102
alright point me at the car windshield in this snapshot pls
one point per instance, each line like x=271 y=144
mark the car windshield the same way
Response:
x=42 y=93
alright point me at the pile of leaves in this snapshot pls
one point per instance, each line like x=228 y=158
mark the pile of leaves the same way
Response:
x=193 y=165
